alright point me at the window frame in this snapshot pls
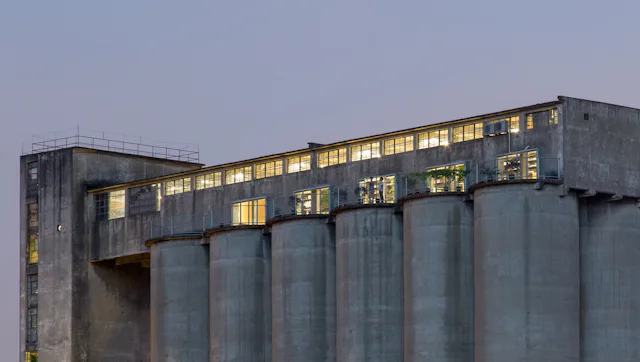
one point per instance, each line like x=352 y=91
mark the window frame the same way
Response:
x=302 y=160
x=529 y=124
x=524 y=165
x=373 y=148
x=315 y=201
x=208 y=180
x=432 y=183
x=390 y=192
x=272 y=168
x=253 y=212
x=400 y=144
x=425 y=138
x=231 y=175
x=118 y=196
x=185 y=186
x=333 y=157
x=554 y=117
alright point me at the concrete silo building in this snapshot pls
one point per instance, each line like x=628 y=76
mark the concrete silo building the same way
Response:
x=511 y=236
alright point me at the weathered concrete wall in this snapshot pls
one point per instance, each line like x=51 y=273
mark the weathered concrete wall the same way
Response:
x=438 y=279
x=179 y=301
x=527 y=274
x=303 y=290
x=119 y=313
x=610 y=290
x=369 y=278
x=240 y=290
x=603 y=152
x=124 y=236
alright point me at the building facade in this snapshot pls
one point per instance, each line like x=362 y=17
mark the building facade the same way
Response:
x=511 y=236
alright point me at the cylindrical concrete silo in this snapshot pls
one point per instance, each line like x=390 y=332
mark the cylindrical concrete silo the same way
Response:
x=179 y=301
x=240 y=290
x=610 y=279
x=527 y=274
x=303 y=290
x=369 y=284
x=438 y=283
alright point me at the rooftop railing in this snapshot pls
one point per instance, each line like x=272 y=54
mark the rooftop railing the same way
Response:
x=120 y=143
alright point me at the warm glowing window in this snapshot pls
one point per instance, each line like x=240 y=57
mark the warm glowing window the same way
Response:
x=117 y=204
x=251 y=212
x=314 y=201
x=467 y=132
x=521 y=165
x=446 y=178
x=178 y=186
x=331 y=158
x=553 y=116
x=514 y=123
x=298 y=163
x=237 y=175
x=33 y=216
x=208 y=180
x=32 y=248
x=31 y=357
x=433 y=139
x=365 y=151
x=378 y=189
x=530 y=121
x=398 y=145
x=269 y=169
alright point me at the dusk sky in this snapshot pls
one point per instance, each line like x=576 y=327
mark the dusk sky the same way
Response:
x=249 y=78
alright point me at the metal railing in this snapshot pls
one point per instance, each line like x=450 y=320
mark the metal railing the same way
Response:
x=491 y=171
x=114 y=143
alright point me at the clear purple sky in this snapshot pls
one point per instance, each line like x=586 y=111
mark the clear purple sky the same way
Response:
x=247 y=78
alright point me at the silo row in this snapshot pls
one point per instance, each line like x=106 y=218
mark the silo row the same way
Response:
x=522 y=273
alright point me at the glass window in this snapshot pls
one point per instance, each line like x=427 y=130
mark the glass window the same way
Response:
x=298 y=163
x=33 y=171
x=530 y=121
x=269 y=169
x=331 y=158
x=32 y=248
x=31 y=357
x=32 y=291
x=365 y=151
x=178 y=186
x=448 y=180
x=515 y=166
x=33 y=216
x=553 y=116
x=378 y=189
x=467 y=132
x=32 y=326
x=251 y=212
x=315 y=201
x=237 y=175
x=398 y=145
x=208 y=180
x=116 y=204
x=102 y=206
x=514 y=123
x=433 y=139
x=143 y=199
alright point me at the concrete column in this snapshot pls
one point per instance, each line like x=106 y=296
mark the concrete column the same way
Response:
x=240 y=289
x=303 y=292
x=438 y=284
x=179 y=301
x=527 y=274
x=369 y=284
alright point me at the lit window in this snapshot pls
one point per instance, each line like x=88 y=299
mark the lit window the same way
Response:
x=269 y=169
x=398 y=145
x=178 y=186
x=365 y=151
x=32 y=248
x=314 y=201
x=237 y=175
x=553 y=116
x=433 y=139
x=467 y=132
x=378 y=189
x=514 y=123
x=530 y=121
x=298 y=163
x=251 y=212
x=446 y=178
x=116 y=204
x=516 y=166
x=31 y=357
x=33 y=216
x=209 y=180
x=144 y=199
x=331 y=158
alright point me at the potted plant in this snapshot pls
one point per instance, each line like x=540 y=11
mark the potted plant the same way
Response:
x=513 y=167
x=489 y=172
x=461 y=174
x=447 y=174
x=360 y=192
